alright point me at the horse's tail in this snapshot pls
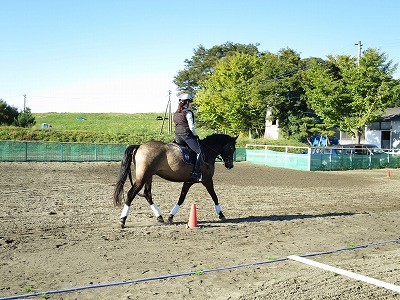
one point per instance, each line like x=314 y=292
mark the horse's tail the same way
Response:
x=124 y=172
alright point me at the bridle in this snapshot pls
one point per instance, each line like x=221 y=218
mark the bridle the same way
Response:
x=218 y=155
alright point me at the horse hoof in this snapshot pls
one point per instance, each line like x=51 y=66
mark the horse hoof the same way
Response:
x=160 y=219
x=122 y=222
x=170 y=219
x=221 y=216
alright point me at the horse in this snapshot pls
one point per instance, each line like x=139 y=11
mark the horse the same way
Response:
x=166 y=161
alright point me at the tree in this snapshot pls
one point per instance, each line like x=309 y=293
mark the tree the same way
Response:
x=349 y=95
x=312 y=126
x=227 y=100
x=280 y=87
x=202 y=64
x=25 y=118
x=8 y=114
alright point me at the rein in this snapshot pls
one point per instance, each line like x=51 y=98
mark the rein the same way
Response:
x=218 y=155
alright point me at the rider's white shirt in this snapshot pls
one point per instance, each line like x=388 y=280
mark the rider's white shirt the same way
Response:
x=189 y=118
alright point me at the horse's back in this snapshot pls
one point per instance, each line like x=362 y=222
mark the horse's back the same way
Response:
x=163 y=159
x=157 y=152
x=151 y=150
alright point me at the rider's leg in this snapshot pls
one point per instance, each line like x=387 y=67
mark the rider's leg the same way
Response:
x=196 y=170
x=193 y=143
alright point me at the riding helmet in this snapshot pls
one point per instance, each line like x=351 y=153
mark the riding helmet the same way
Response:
x=185 y=97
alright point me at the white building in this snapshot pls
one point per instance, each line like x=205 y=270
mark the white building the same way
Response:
x=385 y=133
x=271 y=127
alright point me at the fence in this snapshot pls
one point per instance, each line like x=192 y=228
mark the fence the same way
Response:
x=63 y=152
x=41 y=151
x=317 y=159
x=290 y=157
x=298 y=158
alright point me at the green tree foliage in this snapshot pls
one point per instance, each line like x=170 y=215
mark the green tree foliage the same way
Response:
x=280 y=87
x=8 y=114
x=228 y=100
x=202 y=64
x=349 y=95
x=25 y=118
x=313 y=126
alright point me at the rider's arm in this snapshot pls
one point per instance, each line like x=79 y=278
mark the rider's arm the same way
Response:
x=189 y=118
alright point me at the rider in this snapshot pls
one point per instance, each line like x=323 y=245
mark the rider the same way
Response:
x=185 y=131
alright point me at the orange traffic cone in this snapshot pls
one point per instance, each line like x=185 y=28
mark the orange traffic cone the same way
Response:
x=193 y=217
x=388 y=173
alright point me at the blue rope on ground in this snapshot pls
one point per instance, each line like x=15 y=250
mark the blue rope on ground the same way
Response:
x=87 y=287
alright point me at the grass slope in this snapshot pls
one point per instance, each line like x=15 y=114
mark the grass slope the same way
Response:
x=103 y=122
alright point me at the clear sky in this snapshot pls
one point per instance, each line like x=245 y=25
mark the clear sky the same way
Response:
x=122 y=55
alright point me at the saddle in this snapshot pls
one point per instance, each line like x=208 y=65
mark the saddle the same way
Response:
x=188 y=155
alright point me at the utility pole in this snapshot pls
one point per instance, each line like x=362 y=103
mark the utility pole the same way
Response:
x=359 y=52
x=24 y=102
x=169 y=114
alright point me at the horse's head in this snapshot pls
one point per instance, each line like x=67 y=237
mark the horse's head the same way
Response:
x=223 y=145
x=227 y=152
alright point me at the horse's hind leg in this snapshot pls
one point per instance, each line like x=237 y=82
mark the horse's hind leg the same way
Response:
x=127 y=206
x=149 y=198
x=185 y=189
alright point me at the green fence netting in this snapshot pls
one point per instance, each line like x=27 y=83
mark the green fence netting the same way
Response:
x=305 y=160
x=353 y=161
x=312 y=161
x=79 y=152
x=75 y=152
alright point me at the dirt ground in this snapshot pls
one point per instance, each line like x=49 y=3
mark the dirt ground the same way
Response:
x=59 y=230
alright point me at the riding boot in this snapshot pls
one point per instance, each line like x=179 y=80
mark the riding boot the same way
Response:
x=196 y=174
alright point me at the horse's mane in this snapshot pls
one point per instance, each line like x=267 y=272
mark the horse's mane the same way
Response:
x=217 y=138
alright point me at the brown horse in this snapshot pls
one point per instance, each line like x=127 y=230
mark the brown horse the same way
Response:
x=165 y=160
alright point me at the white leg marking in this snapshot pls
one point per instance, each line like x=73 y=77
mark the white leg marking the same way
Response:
x=218 y=208
x=175 y=210
x=155 y=210
x=125 y=211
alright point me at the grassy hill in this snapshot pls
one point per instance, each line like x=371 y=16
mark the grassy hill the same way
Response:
x=102 y=122
x=106 y=128
x=95 y=128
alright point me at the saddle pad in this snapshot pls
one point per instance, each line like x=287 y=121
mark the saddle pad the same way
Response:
x=188 y=155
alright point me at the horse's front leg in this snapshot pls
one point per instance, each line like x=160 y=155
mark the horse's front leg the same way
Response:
x=149 y=198
x=185 y=189
x=210 y=188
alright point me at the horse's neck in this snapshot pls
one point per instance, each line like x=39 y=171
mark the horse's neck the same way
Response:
x=211 y=151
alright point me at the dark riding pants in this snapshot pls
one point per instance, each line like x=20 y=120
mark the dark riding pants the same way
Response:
x=191 y=141
x=193 y=144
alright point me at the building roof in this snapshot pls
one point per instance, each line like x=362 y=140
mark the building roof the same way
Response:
x=391 y=114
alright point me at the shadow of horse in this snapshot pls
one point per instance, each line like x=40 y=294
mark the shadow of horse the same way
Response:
x=258 y=219
x=274 y=218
